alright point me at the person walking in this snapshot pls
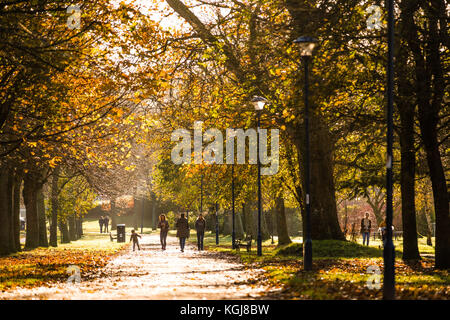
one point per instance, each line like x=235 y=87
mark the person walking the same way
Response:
x=366 y=225
x=134 y=238
x=200 y=226
x=182 y=226
x=383 y=232
x=100 y=223
x=106 y=224
x=164 y=229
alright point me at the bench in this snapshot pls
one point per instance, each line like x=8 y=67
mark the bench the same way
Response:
x=247 y=243
x=112 y=237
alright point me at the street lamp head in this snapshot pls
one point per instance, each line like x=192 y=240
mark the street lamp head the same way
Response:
x=306 y=45
x=258 y=102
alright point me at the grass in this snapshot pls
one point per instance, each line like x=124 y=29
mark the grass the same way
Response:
x=46 y=265
x=340 y=269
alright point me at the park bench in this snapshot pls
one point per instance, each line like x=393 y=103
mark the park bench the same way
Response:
x=247 y=243
x=112 y=237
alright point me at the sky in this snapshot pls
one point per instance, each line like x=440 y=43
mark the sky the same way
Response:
x=171 y=20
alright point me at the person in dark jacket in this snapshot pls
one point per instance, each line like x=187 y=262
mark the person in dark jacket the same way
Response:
x=106 y=223
x=182 y=230
x=164 y=229
x=100 y=223
x=200 y=226
x=366 y=225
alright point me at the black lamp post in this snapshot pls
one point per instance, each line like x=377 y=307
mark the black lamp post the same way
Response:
x=258 y=103
x=233 y=232
x=389 y=249
x=217 y=223
x=201 y=194
x=273 y=226
x=307 y=45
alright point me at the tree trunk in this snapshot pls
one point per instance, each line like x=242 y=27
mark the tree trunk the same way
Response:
x=227 y=226
x=239 y=227
x=137 y=212
x=345 y=218
x=113 y=215
x=282 y=231
x=210 y=222
x=249 y=224
x=30 y=189
x=429 y=229
x=72 y=228
x=324 y=217
x=4 y=212
x=429 y=86
x=16 y=210
x=79 y=228
x=440 y=195
x=265 y=234
x=65 y=237
x=43 y=240
x=407 y=179
x=55 y=205
x=407 y=185
x=154 y=214
x=10 y=199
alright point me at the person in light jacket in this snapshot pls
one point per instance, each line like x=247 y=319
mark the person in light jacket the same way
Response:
x=163 y=225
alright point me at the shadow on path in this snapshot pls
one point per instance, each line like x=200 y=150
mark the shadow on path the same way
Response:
x=155 y=274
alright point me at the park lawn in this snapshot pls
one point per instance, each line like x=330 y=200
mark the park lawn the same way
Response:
x=339 y=270
x=91 y=226
x=48 y=265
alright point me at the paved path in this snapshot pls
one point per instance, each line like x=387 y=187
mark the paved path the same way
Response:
x=155 y=274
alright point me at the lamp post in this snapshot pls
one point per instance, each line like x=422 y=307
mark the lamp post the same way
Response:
x=389 y=249
x=307 y=45
x=217 y=223
x=201 y=194
x=273 y=226
x=233 y=231
x=258 y=103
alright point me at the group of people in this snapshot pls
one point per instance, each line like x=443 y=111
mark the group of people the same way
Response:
x=182 y=226
x=103 y=222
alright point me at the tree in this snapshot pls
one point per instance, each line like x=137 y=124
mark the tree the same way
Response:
x=429 y=85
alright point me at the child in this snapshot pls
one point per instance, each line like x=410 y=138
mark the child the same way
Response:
x=134 y=237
